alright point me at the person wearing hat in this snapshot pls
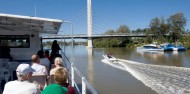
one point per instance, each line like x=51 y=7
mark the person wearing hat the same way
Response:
x=22 y=85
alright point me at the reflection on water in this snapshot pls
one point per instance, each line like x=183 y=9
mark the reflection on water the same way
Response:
x=90 y=66
x=172 y=58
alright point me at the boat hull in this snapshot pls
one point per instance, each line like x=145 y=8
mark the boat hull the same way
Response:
x=148 y=49
x=170 y=47
x=110 y=59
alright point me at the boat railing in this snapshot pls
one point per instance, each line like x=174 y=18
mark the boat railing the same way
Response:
x=84 y=87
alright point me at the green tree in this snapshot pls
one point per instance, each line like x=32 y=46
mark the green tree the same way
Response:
x=114 y=42
x=176 y=22
x=159 y=28
x=155 y=26
x=164 y=27
x=123 y=29
x=122 y=42
x=140 y=31
x=110 y=32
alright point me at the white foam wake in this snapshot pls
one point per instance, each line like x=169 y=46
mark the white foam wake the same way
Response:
x=162 y=79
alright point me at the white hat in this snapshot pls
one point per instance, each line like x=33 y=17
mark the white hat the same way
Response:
x=24 y=69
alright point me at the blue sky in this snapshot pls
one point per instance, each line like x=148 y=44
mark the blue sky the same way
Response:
x=107 y=14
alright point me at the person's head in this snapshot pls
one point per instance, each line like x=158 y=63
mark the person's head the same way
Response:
x=47 y=52
x=40 y=53
x=55 y=42
x=24 y=72
x=58 y=61
x=61 y=76
x=35 y=59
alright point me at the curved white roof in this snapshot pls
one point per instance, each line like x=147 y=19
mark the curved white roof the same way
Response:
x=28 y=23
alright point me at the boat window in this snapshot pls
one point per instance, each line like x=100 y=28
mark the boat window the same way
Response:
x=15 y=41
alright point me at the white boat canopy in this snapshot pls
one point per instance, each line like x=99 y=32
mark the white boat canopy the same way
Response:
x=13 y=23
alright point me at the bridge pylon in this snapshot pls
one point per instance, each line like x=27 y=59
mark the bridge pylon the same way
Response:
x=89 y=22
x=90 y=43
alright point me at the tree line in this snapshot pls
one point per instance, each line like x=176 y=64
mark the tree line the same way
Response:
x=171 y=30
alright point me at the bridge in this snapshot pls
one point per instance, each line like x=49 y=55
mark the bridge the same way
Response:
x=95 y=36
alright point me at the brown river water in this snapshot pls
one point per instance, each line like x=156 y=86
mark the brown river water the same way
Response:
x=110 y=80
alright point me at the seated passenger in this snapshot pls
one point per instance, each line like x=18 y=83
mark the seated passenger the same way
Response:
x=58 y=64
x=22 y=85
x=36 y=65
x=71 y=89
x=54 y=56
x=47 y=55
x=43 y=60
x=60 y=78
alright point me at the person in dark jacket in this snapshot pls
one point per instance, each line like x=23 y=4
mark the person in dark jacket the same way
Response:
x=55 y=47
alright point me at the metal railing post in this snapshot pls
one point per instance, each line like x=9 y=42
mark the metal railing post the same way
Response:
x=83 y=86
x=72 y=75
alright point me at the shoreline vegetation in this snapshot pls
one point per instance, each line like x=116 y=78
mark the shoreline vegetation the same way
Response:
x=173 y=27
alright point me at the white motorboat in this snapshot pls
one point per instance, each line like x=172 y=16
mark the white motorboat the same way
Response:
x=149 y=47
x=110 y=58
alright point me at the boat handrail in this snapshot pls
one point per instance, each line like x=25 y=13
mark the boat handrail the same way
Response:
x=86 y=86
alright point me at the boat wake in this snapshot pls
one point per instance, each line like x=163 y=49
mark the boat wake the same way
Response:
x=162 y=79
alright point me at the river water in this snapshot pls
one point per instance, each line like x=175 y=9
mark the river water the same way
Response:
x=134 y=78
